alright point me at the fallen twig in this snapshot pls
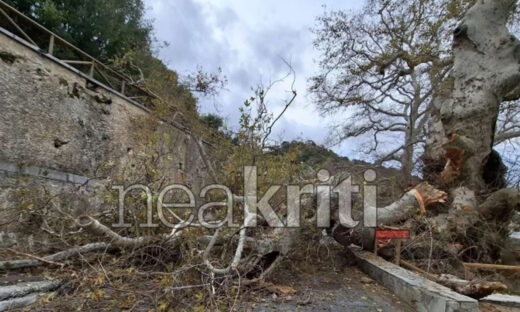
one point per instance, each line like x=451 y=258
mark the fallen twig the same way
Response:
x=60 y=256
x=36 y=257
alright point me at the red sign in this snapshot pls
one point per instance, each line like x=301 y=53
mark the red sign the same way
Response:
x=389 y=234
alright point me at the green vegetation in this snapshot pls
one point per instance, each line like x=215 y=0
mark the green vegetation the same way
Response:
x=212 y=121
x=117 y=33
x=151 y=73
x=308 y=152
x=102 y=28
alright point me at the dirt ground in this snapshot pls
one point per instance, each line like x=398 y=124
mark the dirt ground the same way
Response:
x=328 y=281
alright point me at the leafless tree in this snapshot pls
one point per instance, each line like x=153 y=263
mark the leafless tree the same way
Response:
x=382 y=66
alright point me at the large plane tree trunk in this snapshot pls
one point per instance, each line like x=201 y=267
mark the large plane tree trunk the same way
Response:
x=459 y=160
x=486 y=72
x=459 y=157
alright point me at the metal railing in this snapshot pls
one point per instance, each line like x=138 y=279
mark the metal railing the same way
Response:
x=17 y=23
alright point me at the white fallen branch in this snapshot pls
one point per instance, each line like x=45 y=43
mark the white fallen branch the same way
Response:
x=280 y=241
x=243 y=231
x=35 y=257
x=16 y=303
x=238 y=252
x=96 y=227
x=23 y=289
x=117 y=240
x=60 y=256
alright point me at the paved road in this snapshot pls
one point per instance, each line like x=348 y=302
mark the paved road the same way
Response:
x=345 y=290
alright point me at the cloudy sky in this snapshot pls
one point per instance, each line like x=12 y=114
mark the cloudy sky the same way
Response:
x=248 y=40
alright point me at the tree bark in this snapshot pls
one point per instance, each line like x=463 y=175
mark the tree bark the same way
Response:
x=486 y=71
x=475 y=289
x=60 y=256
x=23 y=289
x=16 y=303
x=459 y=156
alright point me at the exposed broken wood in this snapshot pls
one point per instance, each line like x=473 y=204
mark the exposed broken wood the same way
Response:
x=475 y=289
x=430 y=195
x=408 y=205
x=457 y=149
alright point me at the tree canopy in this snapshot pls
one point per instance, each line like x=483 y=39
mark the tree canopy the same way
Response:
x=102 y=28
x=381 y=65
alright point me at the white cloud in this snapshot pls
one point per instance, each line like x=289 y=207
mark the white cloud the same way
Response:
x=247 y=39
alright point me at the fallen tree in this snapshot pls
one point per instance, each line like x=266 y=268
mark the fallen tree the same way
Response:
x=19 y=302
x=462 y=170
x=22 y=294
x=467 y=173
x=59 y=256
x=459 y=157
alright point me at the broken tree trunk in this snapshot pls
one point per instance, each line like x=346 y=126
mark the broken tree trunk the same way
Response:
x=413 y=203
x=458 y=154
x=485 y=73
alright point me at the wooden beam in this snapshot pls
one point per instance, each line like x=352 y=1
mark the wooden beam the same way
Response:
x=398 y=252
x=14 y=12
x=17 y=27
x=77 y=62
x=51 y=45
x=412 y=267
x=100 y=72
x=92 y=69
x=491 y=267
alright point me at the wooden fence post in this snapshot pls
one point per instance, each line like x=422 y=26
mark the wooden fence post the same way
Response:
x=51 y=45
x=92 y=68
